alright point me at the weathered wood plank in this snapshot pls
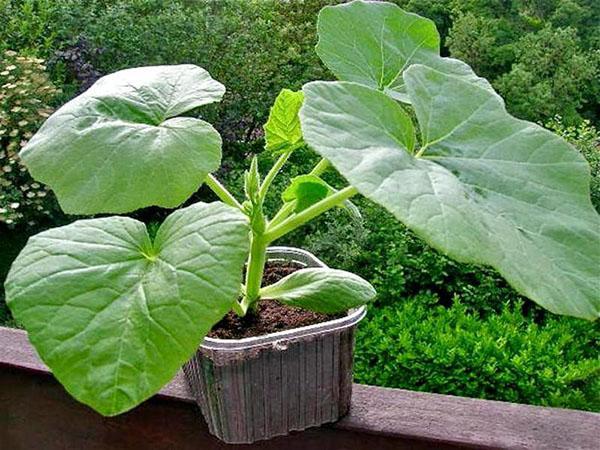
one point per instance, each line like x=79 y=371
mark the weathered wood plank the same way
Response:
x=35 y=412
x=16 y=351
x=469 y=422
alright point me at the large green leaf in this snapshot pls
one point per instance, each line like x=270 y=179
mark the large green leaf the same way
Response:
x=119 y=146
x=115 y=315
x=321 y=289
x=282 y=130
x=373 y=42
x=487 y=188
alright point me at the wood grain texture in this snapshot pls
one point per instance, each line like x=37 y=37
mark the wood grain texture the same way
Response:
x=36 y=412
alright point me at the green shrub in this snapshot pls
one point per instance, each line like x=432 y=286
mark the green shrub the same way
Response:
x=257 y=47
x=25 y=97
x=254 y=47
x=541 y=56
x=28 y=26
x=416 y=344
x=586 y=139
x=487 y=43
x=551 y=75
x=11 y=243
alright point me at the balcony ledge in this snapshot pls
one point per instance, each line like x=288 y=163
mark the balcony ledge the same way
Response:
x=36 y=412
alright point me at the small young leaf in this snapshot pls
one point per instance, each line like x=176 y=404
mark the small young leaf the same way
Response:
x=306 y=190
x=321 y=290
x=120 y=146
x=282 y=130
x=115 y=315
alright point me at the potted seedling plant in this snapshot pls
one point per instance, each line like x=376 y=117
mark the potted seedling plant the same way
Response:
x=115 y=311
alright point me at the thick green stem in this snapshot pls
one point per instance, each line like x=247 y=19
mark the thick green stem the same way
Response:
x=222 y=192
x=283 y=213
x=239 y=309
x=321 y=167
x=259 y=241
x=254 y=270
x=310 y=213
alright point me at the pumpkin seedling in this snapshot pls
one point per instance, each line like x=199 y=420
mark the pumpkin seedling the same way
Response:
x=115 y=313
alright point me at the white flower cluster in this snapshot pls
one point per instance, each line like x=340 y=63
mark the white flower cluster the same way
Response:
x=25 y=95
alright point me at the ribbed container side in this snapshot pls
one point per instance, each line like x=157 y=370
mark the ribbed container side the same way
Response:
x=258 y=388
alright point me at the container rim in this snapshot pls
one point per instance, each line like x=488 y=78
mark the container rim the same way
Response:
x=307 y=259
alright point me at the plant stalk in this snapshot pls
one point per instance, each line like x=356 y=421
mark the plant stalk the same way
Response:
x=254 y=270
x=313 y=211
x=239 y=309
x=321 y=167
x=264 y=187
x=259 y=241
x=221 y=191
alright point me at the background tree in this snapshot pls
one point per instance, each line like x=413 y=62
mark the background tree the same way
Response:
x=552 y=75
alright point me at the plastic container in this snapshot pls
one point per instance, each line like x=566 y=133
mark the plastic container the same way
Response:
x=257 y=388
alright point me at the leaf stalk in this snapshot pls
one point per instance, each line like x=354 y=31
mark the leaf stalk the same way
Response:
x=221 y=191
x=309 y=213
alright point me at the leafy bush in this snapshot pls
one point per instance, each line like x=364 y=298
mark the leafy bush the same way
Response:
x=275 y=41
x=486 y=42
x=75 y=61
x=417 y=344
x=25 y=97
x=551 y=76
x=541 y=56
x=586 y=139
x=252 y=47
x=28 y=25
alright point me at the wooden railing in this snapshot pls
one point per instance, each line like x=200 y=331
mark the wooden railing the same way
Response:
x=36 y=413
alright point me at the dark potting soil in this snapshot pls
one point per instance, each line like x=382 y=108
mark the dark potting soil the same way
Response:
x=270 y=316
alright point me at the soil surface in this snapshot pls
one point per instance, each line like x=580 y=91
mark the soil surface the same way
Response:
x=270 y=316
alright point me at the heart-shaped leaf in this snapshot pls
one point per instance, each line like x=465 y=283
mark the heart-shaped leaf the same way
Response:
x=119 y=146
x=321 y=290
x=484 y=187
x=373 y=42
x=282 y=130
x=115 y=315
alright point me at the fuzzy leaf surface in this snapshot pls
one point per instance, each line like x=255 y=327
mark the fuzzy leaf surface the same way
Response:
x=488 y=188
x=115 y=315
x=321 y=290
x=372 y=43
x=120 y=146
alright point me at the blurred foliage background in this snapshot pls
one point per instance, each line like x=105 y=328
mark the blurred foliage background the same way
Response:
x=437 y=325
